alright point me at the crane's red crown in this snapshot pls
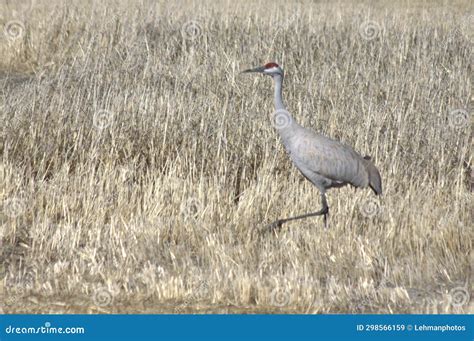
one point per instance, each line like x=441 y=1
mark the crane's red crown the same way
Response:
x=270 y=65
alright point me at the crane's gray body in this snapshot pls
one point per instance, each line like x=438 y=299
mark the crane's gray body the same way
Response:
x=325 y=162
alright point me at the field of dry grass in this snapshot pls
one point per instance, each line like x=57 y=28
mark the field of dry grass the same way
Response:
x=138 y=166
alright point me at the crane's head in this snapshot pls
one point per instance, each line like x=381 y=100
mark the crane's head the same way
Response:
x=271 y=69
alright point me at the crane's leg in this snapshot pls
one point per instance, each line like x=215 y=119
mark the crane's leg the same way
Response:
x=324 y=211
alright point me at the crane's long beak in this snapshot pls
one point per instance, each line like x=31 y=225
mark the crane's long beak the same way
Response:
x=257 y=69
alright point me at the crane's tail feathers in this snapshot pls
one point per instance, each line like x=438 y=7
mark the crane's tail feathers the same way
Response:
x=375 y=182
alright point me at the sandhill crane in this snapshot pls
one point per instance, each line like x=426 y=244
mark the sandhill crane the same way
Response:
x=326 y=163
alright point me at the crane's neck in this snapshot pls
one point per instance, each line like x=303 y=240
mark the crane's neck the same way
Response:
x=288 y=127
x=278 y=79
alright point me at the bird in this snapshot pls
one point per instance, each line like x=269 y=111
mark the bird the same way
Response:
x=325 y=162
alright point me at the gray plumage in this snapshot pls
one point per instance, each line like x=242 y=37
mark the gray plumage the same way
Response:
x=326 y=163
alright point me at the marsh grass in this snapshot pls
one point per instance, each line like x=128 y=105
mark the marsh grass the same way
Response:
x=139 y=167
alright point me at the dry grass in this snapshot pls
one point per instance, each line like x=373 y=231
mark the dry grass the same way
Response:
x=159 y=211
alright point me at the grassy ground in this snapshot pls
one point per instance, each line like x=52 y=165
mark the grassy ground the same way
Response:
x=138 y=166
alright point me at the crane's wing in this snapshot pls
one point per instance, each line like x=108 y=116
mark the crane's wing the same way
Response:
x=328 y=158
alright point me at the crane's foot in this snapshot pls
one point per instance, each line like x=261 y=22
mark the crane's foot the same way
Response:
x=326 y=220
